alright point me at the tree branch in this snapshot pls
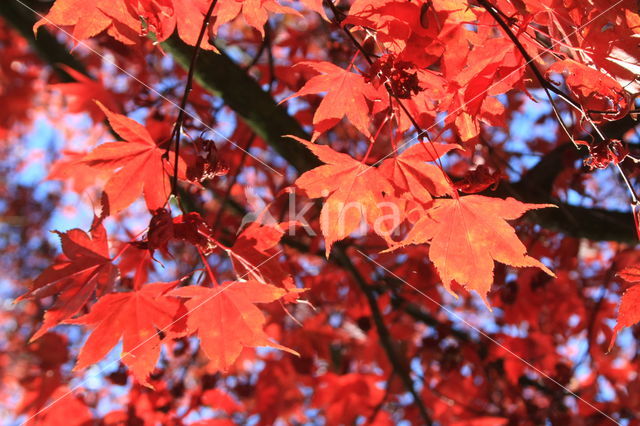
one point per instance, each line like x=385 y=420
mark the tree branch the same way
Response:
x=383 y=332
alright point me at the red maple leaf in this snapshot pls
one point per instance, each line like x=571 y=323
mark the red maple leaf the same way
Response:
x=596 y=91
x=628 y=312
x=137 y=165
x=479 y=179
x=604 y=152
x=89 y=18
x=467 y=234
x=353 y=189
x=226 y=319
x=64 y=409
x=253 y=255
x=85 y=266
x=255 y=12
x=135 y=317
x=347 y=94
x=163 y=16
x=411 y=173
x=82 y=93
x=344 y=398
x=72 y=170
x=189 y=227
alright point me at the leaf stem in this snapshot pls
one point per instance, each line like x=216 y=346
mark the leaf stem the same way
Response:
x=212 y=277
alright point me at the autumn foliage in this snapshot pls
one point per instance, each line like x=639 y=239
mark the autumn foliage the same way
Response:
x=313 y=212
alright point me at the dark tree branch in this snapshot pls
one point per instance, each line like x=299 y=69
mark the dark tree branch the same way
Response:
x=386 y=339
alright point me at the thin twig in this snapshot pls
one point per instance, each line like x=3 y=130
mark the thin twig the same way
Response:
x=177 y=129
x=548 y=87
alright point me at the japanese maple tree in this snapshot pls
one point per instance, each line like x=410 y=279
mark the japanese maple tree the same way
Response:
x=316 y=212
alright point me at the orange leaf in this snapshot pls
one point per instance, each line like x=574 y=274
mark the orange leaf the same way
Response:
x=253 y=256
x=354 y=193
x=255 y=12
x=347 y=95
x=595 y=91
x=89 y=18
x=86 y=266
x=133 y=317
x=82 y=92
x=468 y=234
x=410 y=173
x=226 y=319
x=137 y=165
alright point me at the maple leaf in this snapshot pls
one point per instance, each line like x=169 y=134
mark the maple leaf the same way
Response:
x=86 y=266
x=354 y=193
x=316 y=6
x=393 y=21
x=467 y=234
x=137 y=165
x=277 y=390
x=206 y=163
x=340 y=395
x=220 y=400
x=252 y=256
x=255 y=12
x=89 y=18
x=628 y=312
x=479 y=179
x=596 y=91
x=347 y=94
x=71 y=169
x=400 y=75
x=163 y=16
x=82 y=92
x=410 y=173
x=68 y=409
x=51 y=352
x=226 y=319
x=602 y=153
x=133 y=317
